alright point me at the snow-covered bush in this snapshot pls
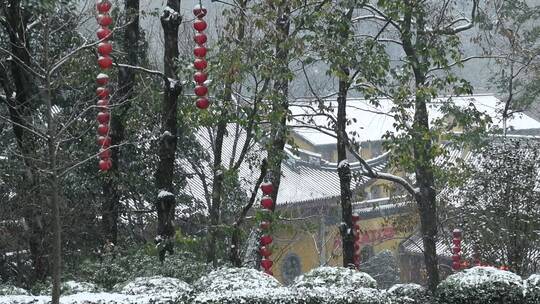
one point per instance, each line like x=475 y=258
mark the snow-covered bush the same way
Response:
x=337 y=285
x=240 y=285
x=67 y=288
x=10 y=290
x=231 y=279
x=532 y=289
x=408 y=294
x=335 y=277
x=485 y=285
x=157 y=287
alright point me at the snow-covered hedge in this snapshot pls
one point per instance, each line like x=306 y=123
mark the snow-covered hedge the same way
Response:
x=67 y=288
x=239 y=285
x=157 y=287
x=10 y=290
x=232 y=279
x=408 y=294
x=337 y=285
x=485 y=285
x=532 y=289
x=335 y=277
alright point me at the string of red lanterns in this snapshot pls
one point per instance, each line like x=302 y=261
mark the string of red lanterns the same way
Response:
x=456 y=249
x=105 y=62
x=356 y=233
x=200 y=64
x=266 y=239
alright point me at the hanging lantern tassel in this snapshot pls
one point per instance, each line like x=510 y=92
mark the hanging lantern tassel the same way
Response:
x=356 y=233
x=266 y=239
x=105 y=62
x=200 y=64
x=456 y=250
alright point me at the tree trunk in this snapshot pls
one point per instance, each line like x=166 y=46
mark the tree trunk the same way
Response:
x=126 y=81
x=217 y=191
x=280 y=103
x=425 y=180
x=426 y=198
x=166 y=202
x=344 y=172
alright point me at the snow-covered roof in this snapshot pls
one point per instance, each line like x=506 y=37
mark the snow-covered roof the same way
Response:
x=372 y=122
x=301 y=180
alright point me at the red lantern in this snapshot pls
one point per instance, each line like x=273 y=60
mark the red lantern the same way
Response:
x=202 y=103
x=104 y=19
x=456 y=250
x=201 y=90
x=356 y=246
x=105 y=164
x=269 y=272
x=355 y=217
x=102 y=92
x=456 y=265
x=103 y=117
x=456 y=257
x=266 y=240
x=102 y=79
x=265 y=252
x=105 y=62
x=199 y=11
x=103 y=104
x=264 y=225
x=103 y=33
x=200 y=64
x=267 y=202
x=267 y=188
x=105 y=153
x=266 y=264
x=105 y=48
x=103 y=129
x=456 y=233
x=456 y=242
x=200 y=77
x=104 y=141
x=199 y=25
x=200 y=38
x=200 y=51
x=103 y=6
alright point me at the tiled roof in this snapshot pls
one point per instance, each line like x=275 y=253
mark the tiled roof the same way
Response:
x=301 y=180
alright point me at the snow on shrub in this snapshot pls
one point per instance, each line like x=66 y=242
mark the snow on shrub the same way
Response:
x=532 y=289
x=230 y=279
x=157 y=289
x=486 y=285
x=72 y=287
x=240 y=285
x=335 y=277
x=10 y=290
x=337 y=285
x=408 y=294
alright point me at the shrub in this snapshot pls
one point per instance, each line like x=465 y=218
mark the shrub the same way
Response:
x=486 y=285
x=532 y=289
x=157 y=288
x=408 y=294
x=10 y=290
x=335 y=277
x=118 y=269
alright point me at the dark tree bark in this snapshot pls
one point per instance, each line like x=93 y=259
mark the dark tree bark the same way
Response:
x=426 y=197
x=344 y=172
x=22 y=99
x=166 y=202
x=280 y=103
x=126 y=82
